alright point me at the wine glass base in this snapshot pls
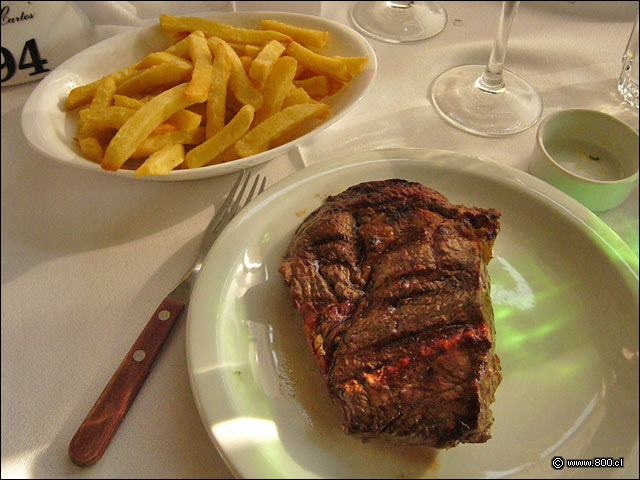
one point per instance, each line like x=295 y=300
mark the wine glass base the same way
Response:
x=399 y=22
x=458 y=99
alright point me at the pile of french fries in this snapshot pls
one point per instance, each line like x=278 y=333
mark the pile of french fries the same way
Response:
x=217 y=94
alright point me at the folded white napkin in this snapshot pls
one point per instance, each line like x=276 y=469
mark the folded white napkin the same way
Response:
x=111 y=13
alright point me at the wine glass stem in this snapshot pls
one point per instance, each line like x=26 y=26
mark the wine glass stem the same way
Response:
x=491 y=80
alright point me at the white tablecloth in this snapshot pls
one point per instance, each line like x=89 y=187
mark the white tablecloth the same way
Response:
x=86 y=258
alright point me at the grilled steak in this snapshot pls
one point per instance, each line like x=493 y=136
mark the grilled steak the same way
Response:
x=391 y=281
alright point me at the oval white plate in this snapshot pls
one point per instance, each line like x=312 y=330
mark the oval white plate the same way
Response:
x=565 y=296
x=50 y=129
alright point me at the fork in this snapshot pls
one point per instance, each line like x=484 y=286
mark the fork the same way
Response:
x=98 y=428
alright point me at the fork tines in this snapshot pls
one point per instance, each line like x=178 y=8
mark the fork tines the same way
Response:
x=233 y=203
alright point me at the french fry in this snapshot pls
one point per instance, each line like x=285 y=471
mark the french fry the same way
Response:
x=157 y=90
x=302 y=129
x=304 y=36
x=156 y=142
x=104 y=92
x=217 y=98
x=182 y=120
x=245 y=49
x=355 y=65
x=157 y=58
x=297 y=96
x=185 y=120
x=103 y=135
x=316 y=87
x=246 y=63
x=276 y=88
x=227 y=156
x=178 y=37
x=91 y=148
x=126 y=102
x=238 y=48
x=306 y=73
x=252 y=50
x=180 y=49
x=140 y=125
x=83 y=94
x=329 y=66
x=258 y=139
x=239 y=82
x=102 y=97
x=116 y=117
x=164 y=128
x=228 y=33
x=162 y=161
x=299 y=71
x=161 y=74
x=112 y=117
x=262 y=63
x=334 y=86
x=202 y=69
x=208 y=151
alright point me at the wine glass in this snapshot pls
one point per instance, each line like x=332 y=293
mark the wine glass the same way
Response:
x=399 y=22
x=486 y=99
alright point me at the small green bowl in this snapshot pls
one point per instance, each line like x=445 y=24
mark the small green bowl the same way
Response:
x=589 y=155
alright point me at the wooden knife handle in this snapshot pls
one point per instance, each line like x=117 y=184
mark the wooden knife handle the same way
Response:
x=93 y=437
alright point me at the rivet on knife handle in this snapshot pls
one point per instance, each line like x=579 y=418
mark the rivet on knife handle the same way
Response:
x=93 y=437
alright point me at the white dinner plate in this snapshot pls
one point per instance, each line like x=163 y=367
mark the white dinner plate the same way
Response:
x=50 y=129
x=565 y=296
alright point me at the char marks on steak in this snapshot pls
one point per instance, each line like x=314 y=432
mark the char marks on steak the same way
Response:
x=391 y=281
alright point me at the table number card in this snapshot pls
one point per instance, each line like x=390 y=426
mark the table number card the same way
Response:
x=38 y=36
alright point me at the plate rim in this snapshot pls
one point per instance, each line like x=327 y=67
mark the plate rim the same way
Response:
x=30 y=110
x=611 y=241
